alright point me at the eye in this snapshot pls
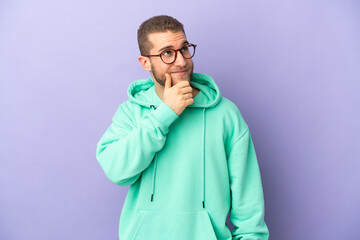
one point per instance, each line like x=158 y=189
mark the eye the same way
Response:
x=185 y=48
x=167 y=53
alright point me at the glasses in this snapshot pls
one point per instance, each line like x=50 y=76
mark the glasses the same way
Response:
x=169 y=56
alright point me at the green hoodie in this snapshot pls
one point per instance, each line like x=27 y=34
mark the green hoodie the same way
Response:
x=186 y=171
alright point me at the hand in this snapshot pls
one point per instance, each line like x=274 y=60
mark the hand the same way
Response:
x=179 y=96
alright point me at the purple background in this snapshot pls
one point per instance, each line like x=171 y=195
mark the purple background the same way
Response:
x=292 y=68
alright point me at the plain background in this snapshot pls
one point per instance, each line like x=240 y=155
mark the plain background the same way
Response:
x=292 y=67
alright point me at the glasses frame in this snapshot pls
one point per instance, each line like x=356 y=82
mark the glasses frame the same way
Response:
x=176 y=51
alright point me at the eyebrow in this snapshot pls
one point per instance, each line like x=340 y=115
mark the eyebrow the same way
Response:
x=170 y=46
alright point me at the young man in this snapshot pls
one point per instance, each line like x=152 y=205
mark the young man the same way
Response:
x=185 y=150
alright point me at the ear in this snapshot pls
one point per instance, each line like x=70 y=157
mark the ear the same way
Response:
x=145 y=63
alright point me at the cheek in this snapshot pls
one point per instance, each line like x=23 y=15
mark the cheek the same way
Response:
x=159 y=67
x=163 y=69
x=191 y=62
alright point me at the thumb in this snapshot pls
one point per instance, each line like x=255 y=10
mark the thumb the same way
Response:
x=168 y=81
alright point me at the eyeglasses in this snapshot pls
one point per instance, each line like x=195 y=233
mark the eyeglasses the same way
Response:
x=168 y=56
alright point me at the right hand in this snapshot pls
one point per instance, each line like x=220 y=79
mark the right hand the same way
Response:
x=179 y=96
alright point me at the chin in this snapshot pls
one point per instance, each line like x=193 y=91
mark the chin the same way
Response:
x=181 y=79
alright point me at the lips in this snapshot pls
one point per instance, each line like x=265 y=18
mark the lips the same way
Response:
x=182 y=72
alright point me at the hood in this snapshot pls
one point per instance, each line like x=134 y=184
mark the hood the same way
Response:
x=142 y=92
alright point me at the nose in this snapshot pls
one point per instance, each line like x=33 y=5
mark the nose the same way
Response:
x=180 y=60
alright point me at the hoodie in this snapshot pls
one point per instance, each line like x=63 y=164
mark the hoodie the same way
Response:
x=186 y=172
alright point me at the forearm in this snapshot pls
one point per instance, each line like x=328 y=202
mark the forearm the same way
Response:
x=123 y=155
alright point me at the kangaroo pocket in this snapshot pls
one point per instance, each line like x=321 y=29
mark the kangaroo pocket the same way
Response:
x=164 y=225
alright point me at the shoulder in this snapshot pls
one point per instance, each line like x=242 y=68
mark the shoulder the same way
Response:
x=228 y=105
x=232 y=118
x=126 y=110
x=230 y=109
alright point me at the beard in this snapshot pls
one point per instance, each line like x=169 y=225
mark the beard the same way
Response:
x=160 y=78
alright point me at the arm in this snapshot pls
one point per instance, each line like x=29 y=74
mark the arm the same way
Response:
x=127 y=148
x=247 y=201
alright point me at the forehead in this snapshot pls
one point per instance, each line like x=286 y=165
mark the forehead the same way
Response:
x=166 y=39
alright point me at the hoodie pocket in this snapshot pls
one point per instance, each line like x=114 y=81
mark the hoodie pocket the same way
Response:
x=162 y=225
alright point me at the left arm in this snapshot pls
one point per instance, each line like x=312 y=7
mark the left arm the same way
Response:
x=247 y=201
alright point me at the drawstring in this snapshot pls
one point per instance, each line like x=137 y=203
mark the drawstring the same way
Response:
x=154 y=170
x=153 y=179
x=203 y=163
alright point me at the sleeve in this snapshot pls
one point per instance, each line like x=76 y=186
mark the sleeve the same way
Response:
x=126 y=149
x=247 y=201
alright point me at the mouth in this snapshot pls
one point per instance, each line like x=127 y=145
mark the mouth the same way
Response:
x=179 y=73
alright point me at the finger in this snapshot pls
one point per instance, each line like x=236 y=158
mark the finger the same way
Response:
x=182 y=84
x=188 y=95
x=186 y=90
x=189 y=101
x=168 y=81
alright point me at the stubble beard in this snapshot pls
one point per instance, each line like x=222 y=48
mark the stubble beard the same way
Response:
x=160 y=78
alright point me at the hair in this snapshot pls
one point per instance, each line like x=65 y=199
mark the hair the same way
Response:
x=155 y=24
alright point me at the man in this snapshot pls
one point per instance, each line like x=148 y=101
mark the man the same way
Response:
x=185 y=150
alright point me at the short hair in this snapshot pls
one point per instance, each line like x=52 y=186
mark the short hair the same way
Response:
x=161 y=23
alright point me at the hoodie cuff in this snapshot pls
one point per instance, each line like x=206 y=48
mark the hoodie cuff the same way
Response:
x=164 y=114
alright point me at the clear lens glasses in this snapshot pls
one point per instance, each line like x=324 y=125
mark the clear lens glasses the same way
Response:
x=169 y=56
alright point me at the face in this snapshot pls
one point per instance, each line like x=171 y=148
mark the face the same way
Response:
x=180 y=70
